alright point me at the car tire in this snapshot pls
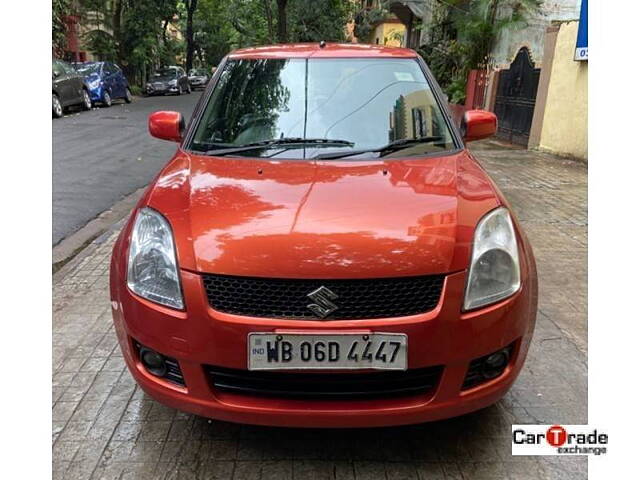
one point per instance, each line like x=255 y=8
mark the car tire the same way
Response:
x=106 y=99
x=86 y=100
x=58 y=111
x=127 y=96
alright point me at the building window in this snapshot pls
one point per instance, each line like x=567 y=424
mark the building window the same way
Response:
x=419 y=123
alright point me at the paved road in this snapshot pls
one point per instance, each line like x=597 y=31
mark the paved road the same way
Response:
x=103 y=155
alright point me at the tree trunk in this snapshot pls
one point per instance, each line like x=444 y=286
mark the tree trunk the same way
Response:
x=117 y=30
x=191 y=8
x=165 y=24
x=282 y=21
x=267 y=13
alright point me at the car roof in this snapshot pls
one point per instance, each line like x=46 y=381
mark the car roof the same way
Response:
x=329 y=50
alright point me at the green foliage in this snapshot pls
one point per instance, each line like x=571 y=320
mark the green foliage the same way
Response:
x=101 y=44
x=365 y=21
x=133 y=32
x=59 y=9
x=461 y=39
x=479 y=28
x=447 y=61
x=319 y=20
x=242 y=23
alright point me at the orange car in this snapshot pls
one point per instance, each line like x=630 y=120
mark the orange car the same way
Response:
x=323 y=250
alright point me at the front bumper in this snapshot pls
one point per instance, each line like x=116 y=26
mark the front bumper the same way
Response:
x=96 y=93
x=444 y=336
x=151 y=90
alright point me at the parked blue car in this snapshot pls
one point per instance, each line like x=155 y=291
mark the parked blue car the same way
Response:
x=105 y=82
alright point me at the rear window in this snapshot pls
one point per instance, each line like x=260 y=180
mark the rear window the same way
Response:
x=165 y=72
x=368 y=102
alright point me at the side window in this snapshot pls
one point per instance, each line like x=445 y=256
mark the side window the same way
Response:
x=108 y=69
x=67 y=68
x=57 y=68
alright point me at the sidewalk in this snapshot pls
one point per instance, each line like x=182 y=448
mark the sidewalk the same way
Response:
x=104 y=427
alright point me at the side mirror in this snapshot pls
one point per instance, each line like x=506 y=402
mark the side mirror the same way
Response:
x=166 y=125
x=55 y=74
x=478 y=124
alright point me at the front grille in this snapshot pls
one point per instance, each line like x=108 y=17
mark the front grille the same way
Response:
x=325 y=386
x=355 y=298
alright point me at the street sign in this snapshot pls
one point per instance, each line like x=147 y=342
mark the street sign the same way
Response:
x=582 y=45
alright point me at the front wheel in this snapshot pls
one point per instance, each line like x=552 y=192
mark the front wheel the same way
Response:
x=106 y=99
x=127 y=96
x=57 y=106
x=86 y=100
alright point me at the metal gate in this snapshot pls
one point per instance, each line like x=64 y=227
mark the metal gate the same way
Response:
x=516 y=98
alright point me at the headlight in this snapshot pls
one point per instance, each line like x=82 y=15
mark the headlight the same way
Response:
x=94 y=83
x=153 y=269
x=494 y=273
x=173 y=82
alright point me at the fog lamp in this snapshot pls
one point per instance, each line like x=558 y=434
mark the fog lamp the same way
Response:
x=495 y=364
x=153 y=362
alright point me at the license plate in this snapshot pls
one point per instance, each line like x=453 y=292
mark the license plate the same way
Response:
x=381 y=351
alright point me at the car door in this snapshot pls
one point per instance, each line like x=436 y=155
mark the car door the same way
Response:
x=76 y=81
x=109 y=80
x=119 y=80
x=63 y=83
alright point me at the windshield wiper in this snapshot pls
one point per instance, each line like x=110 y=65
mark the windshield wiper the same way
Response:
x=288 y=142
x=385 y=149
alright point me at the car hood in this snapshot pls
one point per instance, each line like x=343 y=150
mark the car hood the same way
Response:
x=323 y=219
x=161 y=79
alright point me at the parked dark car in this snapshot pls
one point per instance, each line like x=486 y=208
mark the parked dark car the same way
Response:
x=69 y=88
x=105 y=82
x=198 y=78
x=168 y=80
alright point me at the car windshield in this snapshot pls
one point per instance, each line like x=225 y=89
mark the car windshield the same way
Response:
x=165 y=72
x=366 y=102
x=88 y=68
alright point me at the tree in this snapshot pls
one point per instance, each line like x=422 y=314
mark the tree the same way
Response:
x=462 y=36
x=282 y=20
x=479 y=27
x=59 y=10
x=191 y=46
x=214 y=29
x=319 y=20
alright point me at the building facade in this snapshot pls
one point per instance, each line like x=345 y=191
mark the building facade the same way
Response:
x=560 y=121
x=532 y=36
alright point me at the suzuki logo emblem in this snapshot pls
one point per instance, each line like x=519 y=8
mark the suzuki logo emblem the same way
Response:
x=323 y=305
